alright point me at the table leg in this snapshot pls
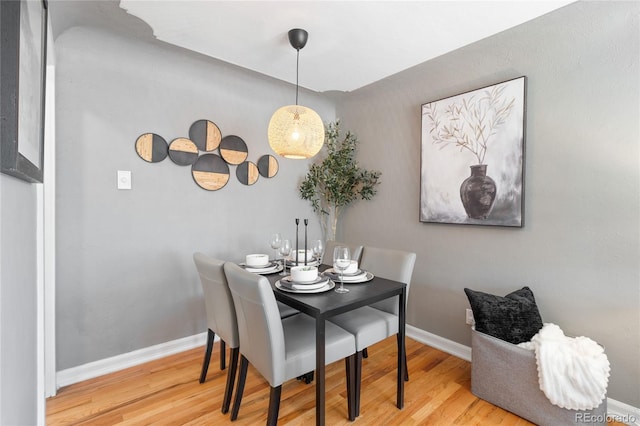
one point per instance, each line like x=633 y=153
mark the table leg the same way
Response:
x=401 y=348
x=320 y=361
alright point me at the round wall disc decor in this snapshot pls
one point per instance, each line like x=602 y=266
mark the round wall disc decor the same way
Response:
x=183 y=151
x=151 y=147
x=233 y=149
x=210 y=172
x=205 y=134
x=247 y=173
x=268 y=166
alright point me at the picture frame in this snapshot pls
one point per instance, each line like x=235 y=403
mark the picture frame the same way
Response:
x=472 y=157
x=23 y=25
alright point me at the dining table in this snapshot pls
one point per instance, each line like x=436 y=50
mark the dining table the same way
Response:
x=324 y=305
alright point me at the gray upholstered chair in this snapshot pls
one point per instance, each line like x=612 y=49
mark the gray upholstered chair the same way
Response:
x=221 y=319
x=280 y=349
x=327 y=258
x=371 y=324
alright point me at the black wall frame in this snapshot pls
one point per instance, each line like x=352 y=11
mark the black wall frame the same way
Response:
x=12 y=158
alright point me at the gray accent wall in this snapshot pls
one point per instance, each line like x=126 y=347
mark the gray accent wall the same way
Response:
x=125 y=277
x=18 y=302
x=579 y=248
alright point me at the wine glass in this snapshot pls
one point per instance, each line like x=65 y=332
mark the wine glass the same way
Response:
x=341 y=261
x=284 y=250
x=317 y=250
x=276 y=242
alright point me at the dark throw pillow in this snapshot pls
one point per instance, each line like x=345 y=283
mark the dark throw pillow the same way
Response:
x=513 y=318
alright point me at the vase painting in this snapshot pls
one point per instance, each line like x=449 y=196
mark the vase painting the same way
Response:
x=472 y=157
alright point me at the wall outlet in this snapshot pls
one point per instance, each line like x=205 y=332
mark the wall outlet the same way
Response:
x=469 y=318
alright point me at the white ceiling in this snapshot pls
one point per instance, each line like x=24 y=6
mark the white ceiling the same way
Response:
x=351 y=43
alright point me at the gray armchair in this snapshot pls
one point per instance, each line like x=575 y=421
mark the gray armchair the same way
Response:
x=280 y=349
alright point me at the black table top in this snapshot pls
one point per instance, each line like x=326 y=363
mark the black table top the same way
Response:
x=330 y=303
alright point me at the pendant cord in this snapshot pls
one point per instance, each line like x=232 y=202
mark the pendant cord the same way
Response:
x=297 y=70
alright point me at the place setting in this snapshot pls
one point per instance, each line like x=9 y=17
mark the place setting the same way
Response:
x=351 y=274
x=305 y=279
x=259 y=263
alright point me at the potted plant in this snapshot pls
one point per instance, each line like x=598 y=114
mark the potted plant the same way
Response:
x=336 y=180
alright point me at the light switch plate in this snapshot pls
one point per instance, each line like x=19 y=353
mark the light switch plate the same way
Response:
x=124 y=179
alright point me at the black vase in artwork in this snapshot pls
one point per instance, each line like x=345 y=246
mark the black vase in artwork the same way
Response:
x=478 y=192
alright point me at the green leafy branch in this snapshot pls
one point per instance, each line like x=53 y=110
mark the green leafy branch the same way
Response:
x=337 y=180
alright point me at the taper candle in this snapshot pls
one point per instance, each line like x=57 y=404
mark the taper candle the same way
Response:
x=306 y=222
x=297 y=223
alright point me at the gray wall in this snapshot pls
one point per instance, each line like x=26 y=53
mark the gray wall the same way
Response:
x=18 y=303
x=125 y=276
x=579 y=248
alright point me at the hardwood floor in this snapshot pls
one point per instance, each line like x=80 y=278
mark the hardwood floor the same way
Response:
x=167 y=391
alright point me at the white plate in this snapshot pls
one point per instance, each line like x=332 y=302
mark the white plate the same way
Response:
x=310 y=262
x=328 y=286
x=272 y=269
x=305 y=285
x=363 y=277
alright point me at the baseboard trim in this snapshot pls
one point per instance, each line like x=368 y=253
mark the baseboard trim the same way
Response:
x=623 y=413
x=437 y=342
x=616 y=410
x=130 y=359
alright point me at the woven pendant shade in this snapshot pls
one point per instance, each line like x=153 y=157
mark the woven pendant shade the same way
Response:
x=296 y=132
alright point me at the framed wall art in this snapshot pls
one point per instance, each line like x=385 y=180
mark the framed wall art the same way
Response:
x=23 y=25
x=472 y=160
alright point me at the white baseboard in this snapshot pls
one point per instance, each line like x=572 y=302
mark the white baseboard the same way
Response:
x=435 y=341
x=623 y=413
x=616 y=410
x=130 y=359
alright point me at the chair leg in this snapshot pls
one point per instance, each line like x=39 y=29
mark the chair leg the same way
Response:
x=242 y=377
x=307 y=377
x=274 y=405
x=207 y=355
x=223 y=353
x=365 y=353
x=231 y=378
x=351 y=378
x=358 y=381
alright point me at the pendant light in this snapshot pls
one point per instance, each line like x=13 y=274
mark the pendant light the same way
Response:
x=296 y=131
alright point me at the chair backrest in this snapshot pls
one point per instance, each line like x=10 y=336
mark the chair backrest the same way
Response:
x=259 y=324
x=396 y=265
x=327 y=258
x=221 y=313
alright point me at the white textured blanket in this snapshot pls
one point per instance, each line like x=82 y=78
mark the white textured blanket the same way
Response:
x=573 y=372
